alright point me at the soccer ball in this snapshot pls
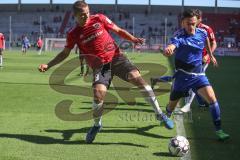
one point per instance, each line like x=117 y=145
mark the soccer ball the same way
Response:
x=178 y=146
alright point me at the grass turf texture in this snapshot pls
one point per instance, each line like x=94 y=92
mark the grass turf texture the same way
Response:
x=30 y=128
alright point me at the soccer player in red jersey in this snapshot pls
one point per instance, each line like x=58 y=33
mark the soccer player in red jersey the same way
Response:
x=39 y=45
x=2 y=47
x=206 y=61
x=92 y=37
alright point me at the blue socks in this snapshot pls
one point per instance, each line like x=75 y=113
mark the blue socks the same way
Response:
x=215 y=112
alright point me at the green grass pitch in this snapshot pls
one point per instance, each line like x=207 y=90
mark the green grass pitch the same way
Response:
x=34 y=126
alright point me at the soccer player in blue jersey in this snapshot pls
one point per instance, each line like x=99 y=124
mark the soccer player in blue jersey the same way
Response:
x=25 y=44
x=188 y=45
x=206 y=61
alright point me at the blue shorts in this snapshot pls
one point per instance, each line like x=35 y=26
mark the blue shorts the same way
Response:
x=25 y=46
x=184 y=82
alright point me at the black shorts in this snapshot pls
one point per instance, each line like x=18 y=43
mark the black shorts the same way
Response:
x=120 y=66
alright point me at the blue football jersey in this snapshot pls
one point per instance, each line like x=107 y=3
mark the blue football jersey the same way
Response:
x=189 y=48
x=25 y=41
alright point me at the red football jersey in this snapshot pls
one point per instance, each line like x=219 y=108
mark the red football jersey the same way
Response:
x=211 y=37
x=94 y=40
x=39 y=43
x=1 y=40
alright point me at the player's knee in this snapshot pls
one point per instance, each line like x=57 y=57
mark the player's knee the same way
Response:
x=99 y=94
x=136 y=78
x=133 y=74
x=211 y=98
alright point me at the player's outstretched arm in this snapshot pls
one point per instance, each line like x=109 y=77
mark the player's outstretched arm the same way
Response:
x=124 y=34
x=213 y=46
x=211 y=36
x=209 y=51
x=169 y=50
x=59 y=58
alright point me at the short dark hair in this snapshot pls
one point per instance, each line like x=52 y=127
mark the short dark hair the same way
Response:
x=189 y=13
x=198 y=13
x=78 y=6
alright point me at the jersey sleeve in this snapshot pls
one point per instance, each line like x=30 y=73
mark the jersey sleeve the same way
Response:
x=107 y=23
x=211 y=35
x=70 y=42
x=176 y=41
